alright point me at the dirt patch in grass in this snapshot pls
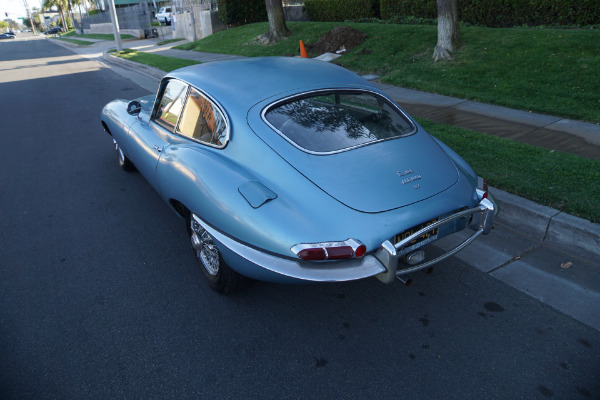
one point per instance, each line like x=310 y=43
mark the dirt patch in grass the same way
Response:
x=339 y=38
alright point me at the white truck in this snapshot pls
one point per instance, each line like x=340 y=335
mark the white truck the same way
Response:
x=164 y=15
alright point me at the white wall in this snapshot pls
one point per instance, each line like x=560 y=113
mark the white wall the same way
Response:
x=206 y=23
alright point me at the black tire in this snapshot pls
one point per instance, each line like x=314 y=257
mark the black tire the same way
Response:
x=214 y=269
x=124 y=162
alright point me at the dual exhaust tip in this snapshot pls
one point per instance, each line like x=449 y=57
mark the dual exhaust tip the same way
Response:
x=407 y=280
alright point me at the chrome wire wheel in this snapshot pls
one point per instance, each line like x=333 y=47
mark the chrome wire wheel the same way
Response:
x=124 y=162
x=121 y=155
x=205 y=250
x=217 y=274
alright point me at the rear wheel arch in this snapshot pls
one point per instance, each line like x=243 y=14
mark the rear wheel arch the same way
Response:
x=179 y=208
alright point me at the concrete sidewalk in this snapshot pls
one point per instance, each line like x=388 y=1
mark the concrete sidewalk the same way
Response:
x=532 y=245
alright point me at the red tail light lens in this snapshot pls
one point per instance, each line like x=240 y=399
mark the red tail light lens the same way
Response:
x=347 y=249
x=313 y=254
x=360 y=251
x=482 y=188
x=340 y=253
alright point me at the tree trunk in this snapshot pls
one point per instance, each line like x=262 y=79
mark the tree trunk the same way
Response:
x=448 y=29
x=62 y=17
x=277 y=27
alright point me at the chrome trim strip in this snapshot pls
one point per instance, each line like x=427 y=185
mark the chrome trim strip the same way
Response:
x=354 y=243
x=334 y=90
x=155 y=106
x=345 y=270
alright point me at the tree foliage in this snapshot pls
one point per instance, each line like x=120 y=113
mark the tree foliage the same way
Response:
x=61 y=5
x=341 y=10
x=241 y=12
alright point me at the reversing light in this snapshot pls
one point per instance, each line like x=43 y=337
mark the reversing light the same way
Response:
x=350 y=248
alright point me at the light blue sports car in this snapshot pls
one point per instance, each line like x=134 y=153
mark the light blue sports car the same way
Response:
x=291 y=170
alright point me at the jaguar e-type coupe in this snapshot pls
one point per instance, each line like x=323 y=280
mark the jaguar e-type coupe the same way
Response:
x=291 y=169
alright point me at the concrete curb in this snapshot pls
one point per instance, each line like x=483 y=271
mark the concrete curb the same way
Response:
x=549 y=226
x=137 y=67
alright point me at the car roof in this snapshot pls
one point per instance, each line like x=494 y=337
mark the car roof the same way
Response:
x=250 y=80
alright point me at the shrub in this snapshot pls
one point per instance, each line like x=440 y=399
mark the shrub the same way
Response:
x=240 y=12
x=415 y=8
x=502 y=13
x=341 y=10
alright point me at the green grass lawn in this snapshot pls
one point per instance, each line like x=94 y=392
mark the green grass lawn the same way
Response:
x=168 y=41
x=76 y=41
x=161 y=62
x=562 y=181
x=549 y=71
x=98 y=36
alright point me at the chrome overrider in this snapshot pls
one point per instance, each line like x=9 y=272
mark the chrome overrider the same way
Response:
x=389 y=254
x=383 y=263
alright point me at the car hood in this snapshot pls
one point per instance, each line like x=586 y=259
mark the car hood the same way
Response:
x=378 y=177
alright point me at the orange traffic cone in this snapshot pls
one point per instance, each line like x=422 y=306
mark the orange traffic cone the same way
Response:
x=303 y=53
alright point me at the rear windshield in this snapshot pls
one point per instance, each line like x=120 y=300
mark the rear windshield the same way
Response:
x=326 y=122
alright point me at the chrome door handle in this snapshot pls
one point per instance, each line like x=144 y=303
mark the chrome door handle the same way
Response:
x=159 y=149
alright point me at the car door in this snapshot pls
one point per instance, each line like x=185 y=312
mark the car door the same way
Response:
x=153 y=137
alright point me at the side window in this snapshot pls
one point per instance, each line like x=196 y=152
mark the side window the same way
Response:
x=171 y=104
x=202 y=120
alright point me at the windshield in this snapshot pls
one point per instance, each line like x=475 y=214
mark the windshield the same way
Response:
x=326 y=122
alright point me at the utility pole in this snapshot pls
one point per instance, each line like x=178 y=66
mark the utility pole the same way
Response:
x=192 y=21
x=31 y=21
x=115 y=24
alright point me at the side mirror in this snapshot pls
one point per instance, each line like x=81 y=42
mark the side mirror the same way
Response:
x=134 y=107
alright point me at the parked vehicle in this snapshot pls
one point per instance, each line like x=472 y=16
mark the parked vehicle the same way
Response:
x=290 y=169
x=54 y=30
x=7 y=35
x=164 y=15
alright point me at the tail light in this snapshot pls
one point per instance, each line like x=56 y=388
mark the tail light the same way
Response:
x=482 y=188
x=350 y=248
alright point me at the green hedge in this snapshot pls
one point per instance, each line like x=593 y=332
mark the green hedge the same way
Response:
x=341 y=10
x=415 y=8
x=240 y=12
x=503 y=13
x=506 y=13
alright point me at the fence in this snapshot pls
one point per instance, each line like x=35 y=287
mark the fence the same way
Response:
x=133 y=17
x=183 y=6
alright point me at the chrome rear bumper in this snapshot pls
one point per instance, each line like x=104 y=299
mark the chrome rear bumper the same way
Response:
x=481 y=223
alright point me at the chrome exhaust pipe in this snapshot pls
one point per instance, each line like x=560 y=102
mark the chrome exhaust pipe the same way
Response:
x=406 y=281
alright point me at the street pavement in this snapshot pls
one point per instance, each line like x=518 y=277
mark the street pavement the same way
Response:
x=545 y=253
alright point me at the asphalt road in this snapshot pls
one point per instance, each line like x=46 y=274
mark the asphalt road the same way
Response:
x=100 y=296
